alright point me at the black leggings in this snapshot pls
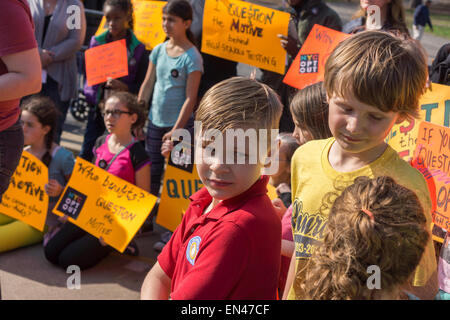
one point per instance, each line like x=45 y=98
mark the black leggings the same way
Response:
x=74 y=246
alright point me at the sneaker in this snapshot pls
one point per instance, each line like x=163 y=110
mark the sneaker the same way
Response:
x=158 y=246
x=132 y=249
x=147 y=227
x=165 y=237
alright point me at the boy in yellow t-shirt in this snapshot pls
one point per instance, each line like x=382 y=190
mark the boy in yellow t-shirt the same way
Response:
x=373 y=81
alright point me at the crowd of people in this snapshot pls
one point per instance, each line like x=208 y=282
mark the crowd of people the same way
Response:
x=346 y=201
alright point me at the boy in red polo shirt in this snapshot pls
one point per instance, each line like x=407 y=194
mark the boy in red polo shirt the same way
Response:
x=228 y=243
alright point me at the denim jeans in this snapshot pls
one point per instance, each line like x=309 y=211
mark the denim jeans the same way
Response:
x=11 y=146
x=50 y=89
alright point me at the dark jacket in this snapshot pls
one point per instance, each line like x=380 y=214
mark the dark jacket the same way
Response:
x=137 y=66
x=422 y=16
x=314 y=12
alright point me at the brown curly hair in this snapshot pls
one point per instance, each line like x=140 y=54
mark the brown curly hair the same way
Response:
x=394 y=240
x=133 y=106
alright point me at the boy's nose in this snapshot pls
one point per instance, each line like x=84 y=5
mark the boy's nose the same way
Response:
x=353 y=125
x=217 y=165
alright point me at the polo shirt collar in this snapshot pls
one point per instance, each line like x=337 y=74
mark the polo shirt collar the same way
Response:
x=202 y=198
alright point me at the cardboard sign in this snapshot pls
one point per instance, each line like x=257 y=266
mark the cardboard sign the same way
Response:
x=309 y=65
x=245 y=32
x=434 y=108
x=26 y=199
x=432 y=158
x=104 y=205
x=106 y=61
x=147 y=17
x=101 y=27
x=148 y=22
x=181 y=180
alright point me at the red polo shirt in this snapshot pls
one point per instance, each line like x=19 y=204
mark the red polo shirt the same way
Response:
x=232 y=252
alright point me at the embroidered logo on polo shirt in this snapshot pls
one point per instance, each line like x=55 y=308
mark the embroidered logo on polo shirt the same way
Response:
x=192 y=249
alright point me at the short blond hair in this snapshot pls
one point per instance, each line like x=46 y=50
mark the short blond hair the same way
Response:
x=239 y=103
x=381 y=70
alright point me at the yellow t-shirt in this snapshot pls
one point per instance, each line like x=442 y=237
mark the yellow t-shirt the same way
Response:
x=313 y=179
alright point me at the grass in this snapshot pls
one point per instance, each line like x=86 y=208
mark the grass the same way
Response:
x=440 y=22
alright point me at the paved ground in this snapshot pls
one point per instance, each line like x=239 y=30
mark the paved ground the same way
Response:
x=25 y=274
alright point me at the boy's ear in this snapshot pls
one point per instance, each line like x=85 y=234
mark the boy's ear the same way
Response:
x=401 y=117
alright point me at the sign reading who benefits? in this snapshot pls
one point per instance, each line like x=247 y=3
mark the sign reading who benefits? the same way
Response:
x=104 y=205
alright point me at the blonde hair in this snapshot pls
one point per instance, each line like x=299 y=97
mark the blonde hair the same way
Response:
x=380 y=69
x=395 y=17
x=239 y=103
x=373 y=222
x=309 y=108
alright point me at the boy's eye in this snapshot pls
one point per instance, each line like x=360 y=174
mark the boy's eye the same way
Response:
x=376 y=118
x=347 y=110
x=211 y=150
x=240 y=155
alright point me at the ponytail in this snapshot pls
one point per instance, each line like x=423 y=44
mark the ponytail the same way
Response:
x=183 y=10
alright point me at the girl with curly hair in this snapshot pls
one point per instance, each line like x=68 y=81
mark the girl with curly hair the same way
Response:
x=374 y=222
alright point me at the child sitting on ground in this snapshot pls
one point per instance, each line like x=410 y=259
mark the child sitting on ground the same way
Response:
x=230 y=236
x=373 y=80
x=39 y=121
x=120 y=154
x=375 y=238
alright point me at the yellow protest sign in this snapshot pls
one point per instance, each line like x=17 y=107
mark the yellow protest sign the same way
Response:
x=147 y=17
x=432 y=158
x=181 y=180
x=26 y=199
x=148 y=22
x=245 y=32
x=434 y=108
x=104 y=205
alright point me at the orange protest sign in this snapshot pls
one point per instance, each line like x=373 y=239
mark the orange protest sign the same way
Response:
x=106 y=61
x=434 y=108
x=245 y=32
x=432 y=158
x=309 y=65
x=26 y=199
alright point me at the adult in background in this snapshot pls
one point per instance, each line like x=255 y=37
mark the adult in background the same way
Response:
x=20 y=75
x=59 y=38
x=215 y=69
x=421 y=18
x=392 y=17
x=440 y=68
x=304 y=15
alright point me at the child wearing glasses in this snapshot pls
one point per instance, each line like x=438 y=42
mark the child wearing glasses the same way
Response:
x=120 y=154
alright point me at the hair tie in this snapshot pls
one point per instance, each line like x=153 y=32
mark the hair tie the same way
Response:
x=369 y=213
